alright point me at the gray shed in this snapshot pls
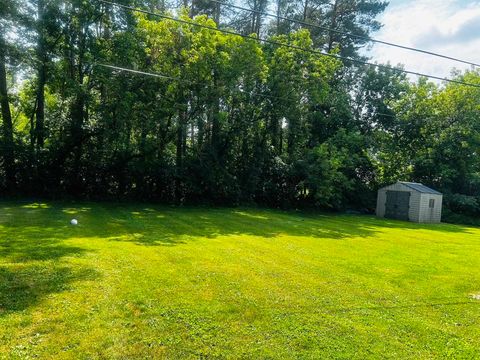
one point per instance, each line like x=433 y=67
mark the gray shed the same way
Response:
x=409 y=201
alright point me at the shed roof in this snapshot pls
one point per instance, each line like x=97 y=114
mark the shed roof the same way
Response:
x=420 y=188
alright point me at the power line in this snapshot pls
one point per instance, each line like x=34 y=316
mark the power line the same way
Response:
x=166 y=77
x=276 y=43
x=139 y=72
x=361 y=37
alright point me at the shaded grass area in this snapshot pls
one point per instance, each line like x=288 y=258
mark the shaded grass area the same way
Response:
x=141 y=281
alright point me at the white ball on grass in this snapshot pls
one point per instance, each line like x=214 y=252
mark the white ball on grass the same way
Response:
x=74 y=222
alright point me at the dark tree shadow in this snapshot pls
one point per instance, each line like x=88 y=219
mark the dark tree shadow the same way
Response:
x=24 y=286
x=171 y=226
x=163 y=225
x=177 y=226
x=23 y=248
x=34 y=256
x=34 y=232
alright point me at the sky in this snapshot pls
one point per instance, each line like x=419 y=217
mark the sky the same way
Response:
x=449 y=27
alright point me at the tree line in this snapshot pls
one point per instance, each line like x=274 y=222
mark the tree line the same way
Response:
x=102 y=102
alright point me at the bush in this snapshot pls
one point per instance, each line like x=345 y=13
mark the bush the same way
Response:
x=461 y=209
x=463 y=204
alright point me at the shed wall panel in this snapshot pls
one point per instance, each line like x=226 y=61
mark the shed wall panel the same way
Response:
x=428 y=214
x=415 y=200
x=381 y=199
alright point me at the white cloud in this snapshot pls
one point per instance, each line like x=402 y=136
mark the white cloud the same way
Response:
x=449 y=27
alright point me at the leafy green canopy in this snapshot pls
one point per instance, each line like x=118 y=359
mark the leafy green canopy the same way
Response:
x=232 y=120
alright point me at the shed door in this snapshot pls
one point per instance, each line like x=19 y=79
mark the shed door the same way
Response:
x=397 y=205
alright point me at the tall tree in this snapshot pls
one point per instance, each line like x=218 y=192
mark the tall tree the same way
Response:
x=357 y=17
x=7 y=16
x=7 y=126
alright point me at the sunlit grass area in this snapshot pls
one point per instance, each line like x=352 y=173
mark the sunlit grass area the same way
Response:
x=142 y=281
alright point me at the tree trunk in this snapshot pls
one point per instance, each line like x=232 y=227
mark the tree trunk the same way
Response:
x=278 y=16
x=305 y=11
x=215 y=114
x=254 y=18
x=78 y=113
x=216 y=17
x=193 y=9
x=181 y=144
x=333 y=24
x=200 y=134
x=292 y=135
x=180 y=141
x=258 y=23
x=7 y=131
x=42 y=76
x=181 y=137
x=275 y=131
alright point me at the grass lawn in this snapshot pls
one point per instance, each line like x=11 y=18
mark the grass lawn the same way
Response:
x=140 y=281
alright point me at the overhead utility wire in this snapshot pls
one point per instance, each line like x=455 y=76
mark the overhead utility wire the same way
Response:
x=366 y=38
x=161 y=76
x=138 y=72
x=276 y=43
x=166 y=77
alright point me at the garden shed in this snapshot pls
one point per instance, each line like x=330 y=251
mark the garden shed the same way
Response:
x=410 y=201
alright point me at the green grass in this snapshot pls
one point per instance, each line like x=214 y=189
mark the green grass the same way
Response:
x=141 y=281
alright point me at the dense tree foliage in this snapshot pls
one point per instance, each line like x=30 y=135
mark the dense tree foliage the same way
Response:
x=227 y=119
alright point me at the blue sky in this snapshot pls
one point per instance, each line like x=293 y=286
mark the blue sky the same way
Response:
x=450 y=27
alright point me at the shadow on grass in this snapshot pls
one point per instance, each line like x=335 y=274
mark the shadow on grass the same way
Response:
x=30 y=245
x=22 y=286
x=168 y=226
x=34 y=256
x=173 y=226
x=176 y=226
